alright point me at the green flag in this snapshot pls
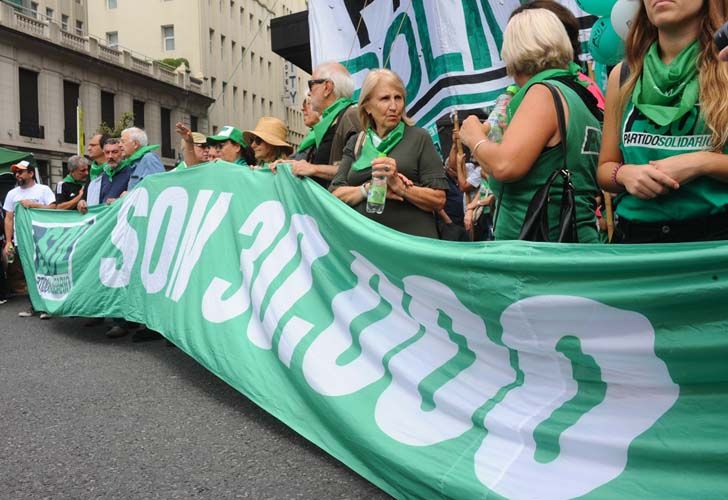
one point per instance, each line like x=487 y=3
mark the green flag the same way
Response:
x=434 y=369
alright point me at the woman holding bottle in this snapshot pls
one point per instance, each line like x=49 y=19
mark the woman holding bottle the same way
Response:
x=391 y=148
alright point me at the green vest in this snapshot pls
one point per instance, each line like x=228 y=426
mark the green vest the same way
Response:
x=584 y=135
x=643 y=141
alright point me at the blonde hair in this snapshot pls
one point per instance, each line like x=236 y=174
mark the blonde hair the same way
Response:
x=371 y=82
x=535 y=40
x=712 y=73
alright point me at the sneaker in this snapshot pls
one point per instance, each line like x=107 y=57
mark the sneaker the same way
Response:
x=116 y=332
x=2 y=301
x=45 y=315
x=145 y=335
x=26 y=314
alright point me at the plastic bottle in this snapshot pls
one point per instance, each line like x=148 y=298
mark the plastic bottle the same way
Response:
x=377 y=195
x=498 y=117
x=11 y=254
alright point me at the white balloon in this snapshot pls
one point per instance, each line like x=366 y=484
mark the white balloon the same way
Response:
x=622 y=15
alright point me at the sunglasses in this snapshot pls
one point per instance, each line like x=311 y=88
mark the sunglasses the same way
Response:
x=202 y=146
x=311 y=83
x=257 y=140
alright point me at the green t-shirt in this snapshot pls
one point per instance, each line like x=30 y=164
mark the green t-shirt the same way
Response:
x=584 y=135
x=643 y=141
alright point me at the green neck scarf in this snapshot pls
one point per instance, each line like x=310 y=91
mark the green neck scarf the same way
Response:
x=96 y=169
x=665 y=92
x=369 y=151
x=71 y=180
x=307 y=141
x=241 y=161
x=328 y=117
x=547 y=74
x=128 y=161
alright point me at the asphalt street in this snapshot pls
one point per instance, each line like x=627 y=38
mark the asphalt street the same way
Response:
x=83 y=416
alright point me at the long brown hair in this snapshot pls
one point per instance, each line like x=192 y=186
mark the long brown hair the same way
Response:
x=712 y=74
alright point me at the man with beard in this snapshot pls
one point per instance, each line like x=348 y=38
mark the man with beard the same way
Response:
x=111 y=184
x=30 y=194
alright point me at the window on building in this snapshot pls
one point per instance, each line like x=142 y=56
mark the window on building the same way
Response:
x=79 y=28
x=212 y=39
x=194 y=123
x=138 y=110
x=29 y=118
x=245 y=100
x=270 y=108
x=222 y=46
x=213 y=82
x=233 y=47
x=64 y=22
x=166 y=128
x=235 y=97
x=168 y=38
x=34 y=9
x=107 y=108
x=270 y=71
x=111 y=4
x=70 y=102
x=252 y=62
x=112 y=39
x=49 y=13
x=253 y=103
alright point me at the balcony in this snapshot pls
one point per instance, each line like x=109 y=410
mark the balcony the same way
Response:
x=31 y=130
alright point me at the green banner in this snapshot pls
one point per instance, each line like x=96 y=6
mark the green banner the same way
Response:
x=432 y=368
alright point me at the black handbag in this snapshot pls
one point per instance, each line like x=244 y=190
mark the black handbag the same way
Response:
x=536 y=224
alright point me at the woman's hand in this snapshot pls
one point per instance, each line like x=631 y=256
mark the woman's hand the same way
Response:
x=183 y=131
x=682 y=168
x=386 y=167
x=645 y=181
x=472 y=130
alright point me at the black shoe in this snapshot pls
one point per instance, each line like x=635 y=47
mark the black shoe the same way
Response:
x=145 y=335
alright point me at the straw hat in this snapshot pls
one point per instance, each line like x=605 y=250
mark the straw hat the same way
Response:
x=271 y=130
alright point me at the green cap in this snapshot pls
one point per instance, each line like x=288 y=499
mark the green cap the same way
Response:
x=229 y=133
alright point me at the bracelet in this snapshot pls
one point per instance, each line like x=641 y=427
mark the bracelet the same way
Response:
x=477 y=145
x=363 y=190
x=614 y=175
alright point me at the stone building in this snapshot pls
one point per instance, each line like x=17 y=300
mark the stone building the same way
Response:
x=226 y=42
x=46 y=70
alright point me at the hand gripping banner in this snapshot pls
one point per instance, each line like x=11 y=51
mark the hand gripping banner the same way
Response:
x=434 y=369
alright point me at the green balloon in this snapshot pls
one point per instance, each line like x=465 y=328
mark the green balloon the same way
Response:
x=604 y=44
x=596 y=7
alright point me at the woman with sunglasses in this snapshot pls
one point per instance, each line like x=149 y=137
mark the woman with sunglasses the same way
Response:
x=268 y=141
x=227 y=145
x=200 y=148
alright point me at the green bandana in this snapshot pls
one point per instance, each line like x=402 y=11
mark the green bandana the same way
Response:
x=369 y=151
x=328 y=117
x=547 y=74
x=241 y=161
x=71 y=180
x=95 y=170
x=125 y=163
x=665 y=92
x=307 y=141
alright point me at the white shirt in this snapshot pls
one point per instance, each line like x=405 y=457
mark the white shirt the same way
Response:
x=39 y=193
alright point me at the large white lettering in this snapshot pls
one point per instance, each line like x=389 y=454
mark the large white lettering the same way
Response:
x=125 y=239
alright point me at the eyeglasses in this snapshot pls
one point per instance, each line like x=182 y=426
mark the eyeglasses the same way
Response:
x=202 y=146
x=257 y=140
x=311 y=83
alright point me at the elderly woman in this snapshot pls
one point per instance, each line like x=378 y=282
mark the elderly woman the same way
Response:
x=268 y=141
x=666 y=127
x=537 y=49
x=390 y=147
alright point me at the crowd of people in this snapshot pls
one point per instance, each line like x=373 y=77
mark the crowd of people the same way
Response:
x=656 y=142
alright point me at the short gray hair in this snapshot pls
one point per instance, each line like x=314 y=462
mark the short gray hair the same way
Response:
x=136 y=134
x=76 y=161
x=339 y=76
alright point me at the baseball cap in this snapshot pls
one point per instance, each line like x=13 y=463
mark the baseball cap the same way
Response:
x=21 y=165
x=198 y=138
x=229 y=133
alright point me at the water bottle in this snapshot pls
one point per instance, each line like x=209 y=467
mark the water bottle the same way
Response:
x=377 y=195
x=498 y=117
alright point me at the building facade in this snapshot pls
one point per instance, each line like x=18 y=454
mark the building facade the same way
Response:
x=227 y=44
x=46 y=71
